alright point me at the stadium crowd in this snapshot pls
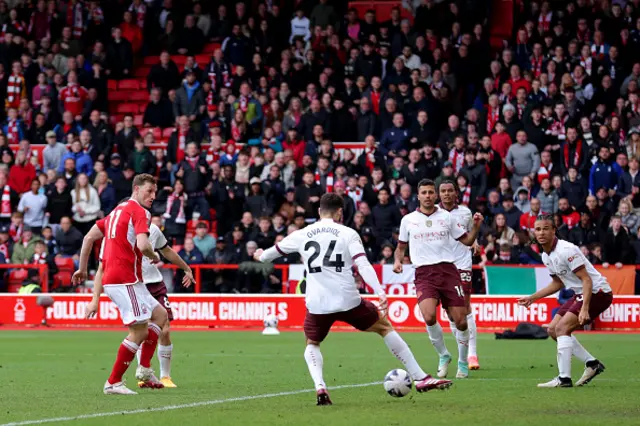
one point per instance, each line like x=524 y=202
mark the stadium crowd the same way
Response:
x=548 y=122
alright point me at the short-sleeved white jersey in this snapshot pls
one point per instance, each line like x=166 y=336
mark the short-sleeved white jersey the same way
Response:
x=429 y=236
x=462 y=253
x=150 y=272
x=565 y=260
x=328 y=250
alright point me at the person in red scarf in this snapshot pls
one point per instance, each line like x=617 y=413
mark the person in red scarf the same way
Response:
x=178 y=141
x=10 y=199
x=574 y=153
x=491 y=114
x=13 y=128
x=21 y=174
x=295 y=144
x=371 y=157
x=16 y=87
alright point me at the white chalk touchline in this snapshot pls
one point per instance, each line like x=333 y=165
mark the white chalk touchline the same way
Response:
x=180 y=406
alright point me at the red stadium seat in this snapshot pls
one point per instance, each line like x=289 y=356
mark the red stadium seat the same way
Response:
x=127 y=108
x=17 y=277
x=138 y=120
x=151 y=60
x=118 y=96
x=143 y=83
x=65 y=264
x=128 y=85
x=141 y=72
x=112 y=85
x=210 y=48
x=62 y=279
x=138 y=96
x=180 y=60
x=203 y=60
x=166 y=133
x=191 y=225
x=156 y=131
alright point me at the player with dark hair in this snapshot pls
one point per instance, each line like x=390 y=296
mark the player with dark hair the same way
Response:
x=448 y=192
x=430 y=230
x=126 y=232
x=571 y=269
x=329 y=251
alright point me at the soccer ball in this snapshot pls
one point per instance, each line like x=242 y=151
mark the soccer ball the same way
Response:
x=270 y=321
x=397 y=383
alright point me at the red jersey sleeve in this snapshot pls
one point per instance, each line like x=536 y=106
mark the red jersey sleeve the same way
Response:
x=139 y=219
x=102 y=225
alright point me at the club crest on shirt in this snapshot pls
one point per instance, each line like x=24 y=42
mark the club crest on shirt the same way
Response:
x=429 y=223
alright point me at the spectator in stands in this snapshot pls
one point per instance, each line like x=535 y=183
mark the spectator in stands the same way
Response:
x=13 y=128
x=32 y=205
x=37 y=132
x=131 y=32
x=21 y=174
x=85 y=204
x=59 y=202
x=190 y=40
x=385 y=215
x=190 y=253
x=630 y=220
x=106 y=193
x=175 y=215
x=69 y=240
x=604 y=173
x=159 y=111
x=125 y=138
x=586 y=232
x=522 y=159
x=616 y=247
x=502 y=231
x=568 y=214
x=190 y=100
x=9 y=201
x=24 y=248
x=194 y=172
x=120 y=56
x=141 y=159
x=164 y=75
x=53 y=152
x=83 y=162
x=511 y=212
x=395 y=140
x=204 y=241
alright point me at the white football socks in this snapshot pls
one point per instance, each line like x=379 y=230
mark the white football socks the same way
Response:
x=473 y=334
x=400 y=350
x=580 y=352
x=313 y=356
x=463 y=345
x=454 y=329
x=437 y=339
x=164 y=355
x=565 y=347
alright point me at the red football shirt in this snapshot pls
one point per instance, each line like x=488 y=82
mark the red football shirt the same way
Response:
x=121 y=258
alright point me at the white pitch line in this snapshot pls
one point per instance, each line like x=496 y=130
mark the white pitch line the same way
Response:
x=180 y=406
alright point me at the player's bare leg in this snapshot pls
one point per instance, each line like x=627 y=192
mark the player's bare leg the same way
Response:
x=399 y=348
x=313 y=357
x=428 y=309
x=592 y=368
x=165 y=349
x=144 y=372
x=459 y=316
x=567 y=324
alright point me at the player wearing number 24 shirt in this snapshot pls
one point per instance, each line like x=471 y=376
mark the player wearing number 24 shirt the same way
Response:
x=570 y=268
x=330 y=251
x=126 y=233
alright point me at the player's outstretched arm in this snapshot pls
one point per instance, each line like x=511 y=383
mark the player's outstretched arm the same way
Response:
x=555 y=286
x=92 y=308
x=173 y=257
x=398 y=255
x=370 y=277
x=89 y=240
x=144 y=245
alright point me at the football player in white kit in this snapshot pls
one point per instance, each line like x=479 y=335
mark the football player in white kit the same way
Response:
x=571 y=269
x=330 y=251
x=448 y=193
x=152 y=278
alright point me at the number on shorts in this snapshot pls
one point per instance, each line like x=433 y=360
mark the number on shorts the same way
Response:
x=465 y=277
x=112 y=226
x=167 y=305
x=459 y=290
x=326 y=261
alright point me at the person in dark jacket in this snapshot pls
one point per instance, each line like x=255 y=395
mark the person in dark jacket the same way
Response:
x=191 y=39
x=604 y=173
x=616 y=246
x=159 y=111
x=476 y=174
x=586 y=232
x=386 y=215
x=395 y=141
x=126 y=137
x=366 y=121
x=141 y=159
x=190 y=253
x=120 y=56
x=342 y=122
x=236 y=47
x=572 y=189
x=190 y=100
x=511 y=212
x=101 y=137
x=164 y=75
x=227 y=197
x=179 y=139
x=256 y=201
x=69 y=239
x=628 y=180
x=349 y=209
x=59 y=201
x=307 y=196
x=316 y=115
x=196 y=174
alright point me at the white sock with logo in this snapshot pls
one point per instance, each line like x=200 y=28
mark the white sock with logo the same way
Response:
x=401 y=350
x=463 y=345
x=164 y=355
x=454 y=329
x=580 y=352
x=139 y=354
x=313 y=356
x=437 y=339
x=565 y=348
x=473 y=334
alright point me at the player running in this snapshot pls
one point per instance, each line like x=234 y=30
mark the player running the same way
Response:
x=571 y=269
x=430 y=229
x=126 y=231
x=153 y=280
x=330 y=251
x=448 y=191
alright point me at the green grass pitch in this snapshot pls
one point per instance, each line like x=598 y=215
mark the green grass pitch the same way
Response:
x=52 y=374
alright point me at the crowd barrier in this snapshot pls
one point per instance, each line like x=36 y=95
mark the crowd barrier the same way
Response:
x=237 y=311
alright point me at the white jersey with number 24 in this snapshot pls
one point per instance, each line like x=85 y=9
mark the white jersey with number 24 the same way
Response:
x=328 y=250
